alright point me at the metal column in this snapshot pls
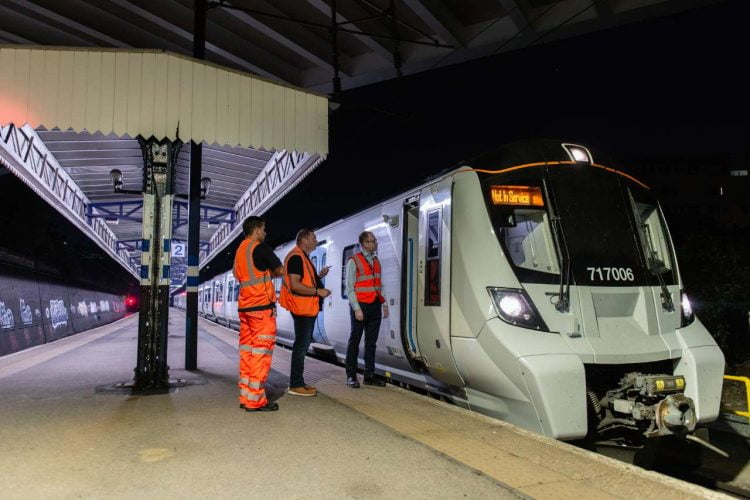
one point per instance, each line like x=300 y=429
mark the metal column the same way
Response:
x=159 y=157
x=196 y=159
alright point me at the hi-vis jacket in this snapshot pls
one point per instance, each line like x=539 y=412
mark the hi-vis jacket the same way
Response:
x=256 y=288
x=367 y=284
x=300 y=305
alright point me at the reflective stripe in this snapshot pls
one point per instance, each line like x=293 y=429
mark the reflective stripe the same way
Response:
x=255 y=281
x=244 y=380
x=245 y=348
x=252 y=397
x=258 y=350
x=267 y=337
x=368 y=288
x=254 y=385
x=364 y=277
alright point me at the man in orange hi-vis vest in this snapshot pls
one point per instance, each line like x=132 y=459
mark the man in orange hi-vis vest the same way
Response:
x=255 y=265
x=367 y=307
x=302 y=295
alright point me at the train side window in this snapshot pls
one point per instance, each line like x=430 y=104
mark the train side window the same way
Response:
x=218 y=294
x=432 y=258
x=346 y=255
x=236 y=291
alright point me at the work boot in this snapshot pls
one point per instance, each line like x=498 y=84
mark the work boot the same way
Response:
x=270 y=406
x=302 y=391
x=352 y=382
x=373 y=381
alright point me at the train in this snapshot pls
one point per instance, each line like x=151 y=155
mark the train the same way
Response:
x=532 y=284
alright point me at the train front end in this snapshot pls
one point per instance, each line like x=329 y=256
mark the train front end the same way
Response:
x=588 y=329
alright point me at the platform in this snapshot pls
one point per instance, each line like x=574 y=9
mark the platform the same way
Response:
x=63 y=438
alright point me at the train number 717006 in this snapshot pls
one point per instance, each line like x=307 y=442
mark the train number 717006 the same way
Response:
x=611 y=273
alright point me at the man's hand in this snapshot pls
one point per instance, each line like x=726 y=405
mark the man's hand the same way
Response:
x=359 y=315
x=323 y=292
x=385 y=310
x=323 y=272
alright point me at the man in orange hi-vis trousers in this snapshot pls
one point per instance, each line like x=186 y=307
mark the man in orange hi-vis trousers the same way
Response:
x=255 y=265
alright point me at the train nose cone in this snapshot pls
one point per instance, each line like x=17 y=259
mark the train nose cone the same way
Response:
x=676 y=414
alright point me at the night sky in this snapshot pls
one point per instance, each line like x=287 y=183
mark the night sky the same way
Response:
x=671 y=88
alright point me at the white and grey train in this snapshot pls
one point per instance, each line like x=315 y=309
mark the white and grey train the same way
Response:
x=533 y=285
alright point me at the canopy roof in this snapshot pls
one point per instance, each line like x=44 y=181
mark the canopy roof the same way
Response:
x=70 y=116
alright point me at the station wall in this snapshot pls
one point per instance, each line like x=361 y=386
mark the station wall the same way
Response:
x=34 y=310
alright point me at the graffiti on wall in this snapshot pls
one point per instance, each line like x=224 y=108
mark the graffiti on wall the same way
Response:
x=57 y=313
x=27 y=318
x=6 y=317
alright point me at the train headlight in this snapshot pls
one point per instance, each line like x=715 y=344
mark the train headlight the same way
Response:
x=578 y=154
x=514 y=307
x=687 y=309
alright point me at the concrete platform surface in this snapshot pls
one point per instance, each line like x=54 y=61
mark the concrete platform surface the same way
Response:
x=61 y=438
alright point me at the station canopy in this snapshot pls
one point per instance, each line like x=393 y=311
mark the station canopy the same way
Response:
x=70 y=116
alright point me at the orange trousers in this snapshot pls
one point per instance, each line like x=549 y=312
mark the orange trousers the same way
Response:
x=257 y=340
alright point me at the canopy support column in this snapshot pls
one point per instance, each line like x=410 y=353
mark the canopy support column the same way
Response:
x=196 y=160
x=159 y=158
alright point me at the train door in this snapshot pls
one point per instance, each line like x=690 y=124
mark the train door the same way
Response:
x=434 y=282
x=318 y=258
x=409 y=277
x=216 y=309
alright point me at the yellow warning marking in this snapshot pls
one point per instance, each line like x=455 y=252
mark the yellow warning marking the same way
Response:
x=155 y=454
x=746 y=381
x=659 y=385
x=680 y=383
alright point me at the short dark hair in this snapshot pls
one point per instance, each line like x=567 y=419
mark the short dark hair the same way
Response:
x=252 y=223
x=363 y=235
x=303 y=233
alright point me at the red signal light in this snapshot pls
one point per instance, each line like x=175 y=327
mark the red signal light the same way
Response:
x=130 y=301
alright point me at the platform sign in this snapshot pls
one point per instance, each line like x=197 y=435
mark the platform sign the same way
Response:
x=179 y=249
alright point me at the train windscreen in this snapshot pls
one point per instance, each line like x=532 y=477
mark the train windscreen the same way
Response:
x=609 y=228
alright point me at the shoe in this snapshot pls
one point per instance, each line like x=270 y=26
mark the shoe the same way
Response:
x=352 y=382
x=373 y=381
x=270 y=406
x=311 y=387
x=303 y=391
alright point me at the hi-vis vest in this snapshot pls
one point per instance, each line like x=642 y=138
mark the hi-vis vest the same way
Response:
x=367 y=284
x=300 y=305
x=256 y=288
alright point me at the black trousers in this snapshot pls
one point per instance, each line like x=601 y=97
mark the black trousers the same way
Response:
x=370 y=325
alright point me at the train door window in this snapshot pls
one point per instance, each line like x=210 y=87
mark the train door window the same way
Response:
x=217 y=293
x=236 y=291
x=529 y=242
x=432 y=257
x=348 y=252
